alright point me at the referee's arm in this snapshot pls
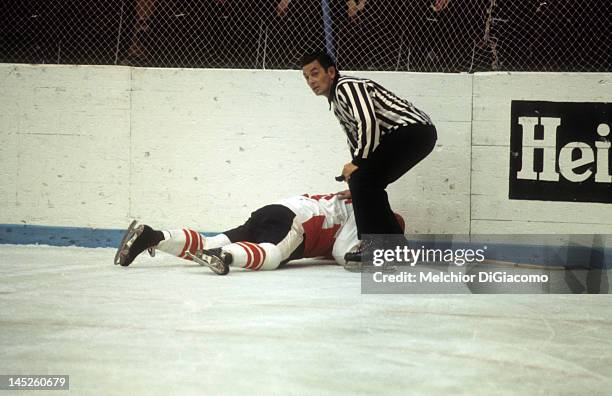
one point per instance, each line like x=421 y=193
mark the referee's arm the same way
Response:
x=368 y=133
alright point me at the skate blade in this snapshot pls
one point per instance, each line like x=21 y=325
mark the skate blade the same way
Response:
x=197 y=259
x=206 y=263
x=352 y=266
x=129 y=234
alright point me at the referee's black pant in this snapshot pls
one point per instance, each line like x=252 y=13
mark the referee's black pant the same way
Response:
x=397 y=153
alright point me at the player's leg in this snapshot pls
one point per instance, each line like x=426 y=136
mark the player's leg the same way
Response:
x=249 y=255
x=275 y=236
x=264 y=255
x=181 y=241
x=269 y=238
x=184 y=243
x=136 y=240
x=175 y=242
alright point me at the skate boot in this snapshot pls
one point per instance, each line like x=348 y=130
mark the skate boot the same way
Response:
x=353 y=258
x=136 y=240
x=359 y=259
x=215 y=259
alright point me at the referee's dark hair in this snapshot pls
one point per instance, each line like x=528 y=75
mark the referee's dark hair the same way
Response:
x=322 y=56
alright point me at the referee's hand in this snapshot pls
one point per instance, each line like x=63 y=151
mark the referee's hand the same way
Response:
x=348 y=170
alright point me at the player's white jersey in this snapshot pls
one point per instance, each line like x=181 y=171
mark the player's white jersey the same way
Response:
x=322 y=218
x=333 y=209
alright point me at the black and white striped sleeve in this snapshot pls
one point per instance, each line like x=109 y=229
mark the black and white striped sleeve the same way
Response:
x=360 y=104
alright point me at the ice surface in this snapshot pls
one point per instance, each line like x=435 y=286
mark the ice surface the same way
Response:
x=166 y=326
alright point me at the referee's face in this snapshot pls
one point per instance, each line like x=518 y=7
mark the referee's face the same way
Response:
x=319 y=79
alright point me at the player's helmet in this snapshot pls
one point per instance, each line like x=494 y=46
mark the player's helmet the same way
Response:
x=401 y=221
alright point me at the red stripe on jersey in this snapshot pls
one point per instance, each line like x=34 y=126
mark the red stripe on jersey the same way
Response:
x=318 y=241
x=248 y=252
x=187 y=242
x=318 y=197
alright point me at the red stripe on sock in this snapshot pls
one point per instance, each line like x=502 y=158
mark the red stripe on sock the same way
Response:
x=263 y=257
x=260 y=255
x=195 y=241
x=256 y=254
x=248 y=252
x=187 y=240
x=200 y=242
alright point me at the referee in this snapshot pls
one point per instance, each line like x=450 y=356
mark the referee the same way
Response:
x=386 y=134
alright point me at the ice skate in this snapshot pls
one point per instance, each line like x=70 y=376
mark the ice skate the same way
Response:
x=354 y=258
x=215 y=259
x=137 y=239
x=358 y=266
x=359 y=259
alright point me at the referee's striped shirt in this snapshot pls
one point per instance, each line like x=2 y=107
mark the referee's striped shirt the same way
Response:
x=367 y=111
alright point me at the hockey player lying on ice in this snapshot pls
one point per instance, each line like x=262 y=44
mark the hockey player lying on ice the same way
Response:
x=298 y=227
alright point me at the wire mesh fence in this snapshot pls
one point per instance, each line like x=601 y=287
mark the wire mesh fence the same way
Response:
x=406 y=35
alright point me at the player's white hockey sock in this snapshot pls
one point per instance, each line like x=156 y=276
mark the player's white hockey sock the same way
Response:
x=255 y=256
x=216 y=241
x=177 y=242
